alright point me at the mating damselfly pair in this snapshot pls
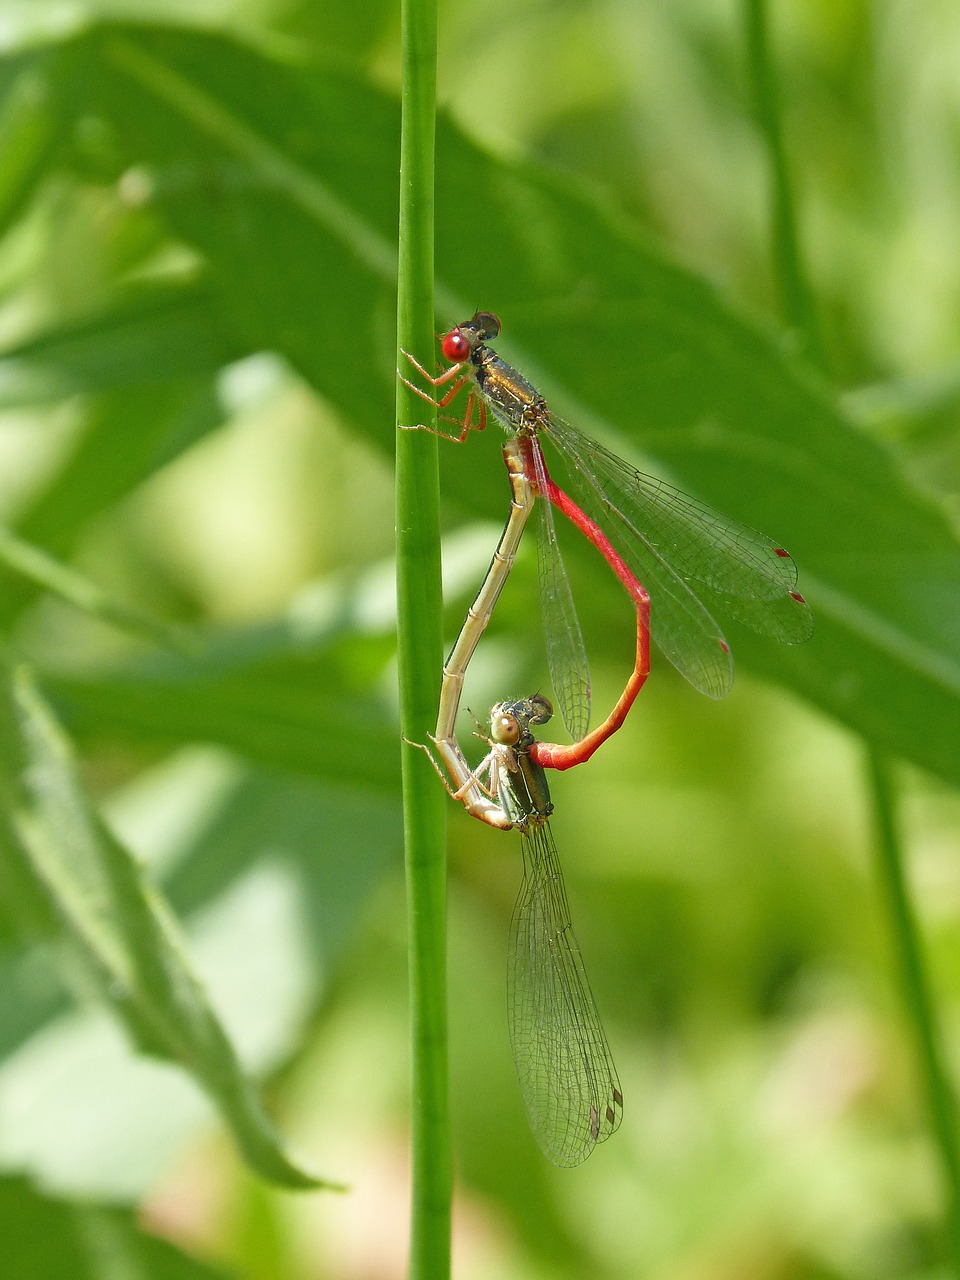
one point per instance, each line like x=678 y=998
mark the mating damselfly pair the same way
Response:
x=679 y=561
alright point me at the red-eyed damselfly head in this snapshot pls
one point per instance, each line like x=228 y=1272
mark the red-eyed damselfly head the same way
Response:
x=460 y=343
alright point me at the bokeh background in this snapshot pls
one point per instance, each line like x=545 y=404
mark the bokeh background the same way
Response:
x=196 y=381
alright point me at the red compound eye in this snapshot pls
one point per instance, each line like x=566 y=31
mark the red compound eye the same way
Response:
x=455 y=347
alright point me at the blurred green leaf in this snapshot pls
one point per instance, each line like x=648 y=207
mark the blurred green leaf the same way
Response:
x=49 y=573
x=338 y=841
x=30 y=993
x=715 y=856
x=124 y=438
x=47 y=1239
x=158 y=337
x=28 y=133
x=289 y=715
x=120 y=929
x=240 y=854
x=289 y=219
x=275 y=692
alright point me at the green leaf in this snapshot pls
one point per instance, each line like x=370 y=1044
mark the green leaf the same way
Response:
x=280 y=175
x=157 y=337
x=28 y=132
x=116 y=926
x=337 y=842
x=45 y=571
x=279 y=693
x=280 y=181
x=51 y=1239
x=125 y=437
x=290 y=717
x=247 y=853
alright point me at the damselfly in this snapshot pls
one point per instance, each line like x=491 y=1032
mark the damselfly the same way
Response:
x=689 y=558
x=548 y=754
x=567 y=1077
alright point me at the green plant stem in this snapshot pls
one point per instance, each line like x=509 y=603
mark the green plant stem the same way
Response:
x=800 y=311
x=916 y=990
x=419 y=660
x=796 y=292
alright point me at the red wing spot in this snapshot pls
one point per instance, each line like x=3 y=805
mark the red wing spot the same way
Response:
x=723 y=645
x=795 y=595
x=782 y=552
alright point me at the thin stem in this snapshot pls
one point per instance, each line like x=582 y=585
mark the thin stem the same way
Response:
x=797 y=295
x=917 y=994
x=800 y=311
x=419 y=660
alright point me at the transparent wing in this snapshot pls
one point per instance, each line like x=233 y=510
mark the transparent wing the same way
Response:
x=567 y=1077
x=566 y=653
x=689 y=557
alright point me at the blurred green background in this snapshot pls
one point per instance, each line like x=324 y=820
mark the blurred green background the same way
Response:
x=197 y=302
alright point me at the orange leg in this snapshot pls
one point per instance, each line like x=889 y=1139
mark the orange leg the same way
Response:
x=474 y=403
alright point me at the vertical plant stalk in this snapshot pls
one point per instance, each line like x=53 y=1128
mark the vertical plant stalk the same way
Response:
x=797 y=296
x=919 y=1002
x=419 y=658
x=800 y=311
